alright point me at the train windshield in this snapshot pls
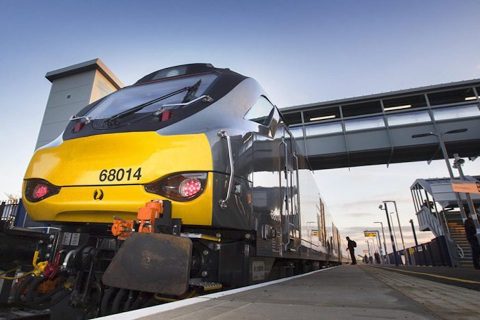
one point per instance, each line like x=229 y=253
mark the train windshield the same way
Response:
x=134 y=96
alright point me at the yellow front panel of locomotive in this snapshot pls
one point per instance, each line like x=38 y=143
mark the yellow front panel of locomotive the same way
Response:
x=80 y=161
x=75 y=165
x=77 y=204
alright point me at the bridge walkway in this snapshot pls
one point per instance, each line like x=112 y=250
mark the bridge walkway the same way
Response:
x=392 y=127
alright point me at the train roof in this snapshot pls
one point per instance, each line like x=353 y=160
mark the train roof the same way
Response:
x=183 y=70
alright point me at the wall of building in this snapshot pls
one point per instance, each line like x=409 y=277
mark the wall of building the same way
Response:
x=101 y=87
x=73 y=88
x=67 y=96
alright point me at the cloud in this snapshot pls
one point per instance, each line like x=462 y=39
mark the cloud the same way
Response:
x=372 y=202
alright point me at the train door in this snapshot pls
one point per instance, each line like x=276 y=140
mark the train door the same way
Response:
x=289 y=184
x=266 y=195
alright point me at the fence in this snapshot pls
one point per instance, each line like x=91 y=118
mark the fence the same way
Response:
x=433 y=253
x=12 y=213
x=8 y=210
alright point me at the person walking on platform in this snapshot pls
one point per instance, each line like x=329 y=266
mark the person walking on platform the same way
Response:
x=351 y=247
x=471 y=233
x=377 y=258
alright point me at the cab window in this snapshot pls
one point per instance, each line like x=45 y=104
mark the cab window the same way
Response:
x=260 y=112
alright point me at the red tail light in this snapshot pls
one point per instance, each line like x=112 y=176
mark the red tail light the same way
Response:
x=78 y=126
x=190 y=187
x=38 y=189
x=166 y=115
x=179 y=187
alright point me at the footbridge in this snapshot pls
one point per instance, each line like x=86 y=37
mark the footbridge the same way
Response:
x=392 y=127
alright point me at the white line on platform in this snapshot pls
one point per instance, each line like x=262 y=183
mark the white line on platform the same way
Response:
x=136 y=314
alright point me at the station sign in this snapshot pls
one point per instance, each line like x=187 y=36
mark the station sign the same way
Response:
x=370 y=234
x=466 y=187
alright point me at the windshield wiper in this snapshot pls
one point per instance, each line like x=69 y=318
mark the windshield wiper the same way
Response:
x=190 y=92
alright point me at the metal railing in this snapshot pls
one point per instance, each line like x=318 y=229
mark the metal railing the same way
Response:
x=428 y=221
x=8 y=210
x=433 y=253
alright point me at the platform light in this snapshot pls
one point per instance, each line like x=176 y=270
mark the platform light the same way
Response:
x=405 y=106
x=332 y=116
x=470 y=98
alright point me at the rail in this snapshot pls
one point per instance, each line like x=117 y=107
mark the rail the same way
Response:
x=460 y=251
x=224 y=135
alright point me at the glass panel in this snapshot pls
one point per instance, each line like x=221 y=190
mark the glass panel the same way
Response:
x=132 y=96
x=457 y=112
x=260 y=111
x=451 y=96
x=296 y=131
x=408 y=118
x=324 y=128
x=292 y=118
x=365 y=123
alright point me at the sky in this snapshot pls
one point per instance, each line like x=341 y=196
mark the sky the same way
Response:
x=300 y=51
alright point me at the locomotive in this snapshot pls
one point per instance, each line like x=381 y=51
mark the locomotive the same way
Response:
x=185 y=182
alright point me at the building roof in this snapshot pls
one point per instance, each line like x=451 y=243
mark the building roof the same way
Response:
x=95 y=64
x=442 y=86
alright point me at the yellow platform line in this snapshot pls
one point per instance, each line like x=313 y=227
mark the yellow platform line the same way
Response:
x=434 y=275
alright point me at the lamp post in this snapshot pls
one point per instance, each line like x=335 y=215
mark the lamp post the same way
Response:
x=383 y=234
x=447 y=161
x=414 y=233
x=379 y=241
x=457 y=164
x=368 y=246
x=399 y=227
x=416 y=241
x=384 y=207
x=394 y=232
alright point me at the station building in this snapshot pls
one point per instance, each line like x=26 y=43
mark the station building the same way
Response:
x=73 y=88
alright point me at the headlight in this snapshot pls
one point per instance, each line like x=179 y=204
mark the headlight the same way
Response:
x=179 y=187
x=39 y=189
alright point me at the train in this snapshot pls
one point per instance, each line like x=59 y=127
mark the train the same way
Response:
x=188 y=181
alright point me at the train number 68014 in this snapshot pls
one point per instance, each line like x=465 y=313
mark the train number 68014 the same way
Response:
x=120 y=174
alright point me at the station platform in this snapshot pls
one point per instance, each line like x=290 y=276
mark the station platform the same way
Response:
x=344 y=292
x=461 y=276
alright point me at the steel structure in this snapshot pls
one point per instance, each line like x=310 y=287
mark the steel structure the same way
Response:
x=378 y=129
